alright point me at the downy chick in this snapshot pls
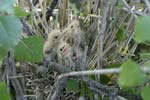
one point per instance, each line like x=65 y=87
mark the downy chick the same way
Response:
x=76 y=37
x=64 y=52
x=52 y=41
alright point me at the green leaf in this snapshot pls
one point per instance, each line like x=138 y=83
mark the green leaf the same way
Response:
x=104 y=79
x=6 y=6
x=114 y=65
x=120 y=34
x=120 y=4
x=72 y=85
x=90 y=94
x=145 y=93
x=10 y=32
x=83 y=89
x=30 y=49
x=20 y=12
x=3 y=91
x=74 y=7
x=147 y=64
x=142 y=31
x=130 y=75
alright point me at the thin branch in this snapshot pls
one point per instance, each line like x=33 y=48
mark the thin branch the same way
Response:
x=93 y=85
x=128 y=7
x=138 y=13
x=98 y=72
x=11 y=71
x=60 y=84
x=102 y=33
x=147 y=4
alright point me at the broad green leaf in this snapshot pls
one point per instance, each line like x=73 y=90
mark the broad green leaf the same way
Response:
x=30 y=49
x=72 y=85
x=6 y=6
x=145 y=93
x=10 y=31
x=3 y=91
x=147 y=64
x=130 y=75
x=19 y=11
x=142 y=31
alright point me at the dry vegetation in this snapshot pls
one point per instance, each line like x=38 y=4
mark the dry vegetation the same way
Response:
x=79 y=35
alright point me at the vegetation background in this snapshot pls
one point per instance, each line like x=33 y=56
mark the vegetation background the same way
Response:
x=116 y=58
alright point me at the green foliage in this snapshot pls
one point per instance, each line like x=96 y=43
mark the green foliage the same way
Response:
x=90 y=94
x=30 y=49
x=142 y=31
x=81 y=7
x=85 y=90
x=114 y=65
x=10 y=28
x=20 y=12
x=75 y=6
x=6 y=6
x=3 y=91
x=130 y=75
x=104 y=79
x=72 y=85
x=145 y=93
x=145 y=55
x=120 y=4
x=120 y=34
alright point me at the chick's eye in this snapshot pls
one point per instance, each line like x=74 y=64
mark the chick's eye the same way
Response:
x=72 y=26
x=61 y=49
x=93 y=2
x=56 y=37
